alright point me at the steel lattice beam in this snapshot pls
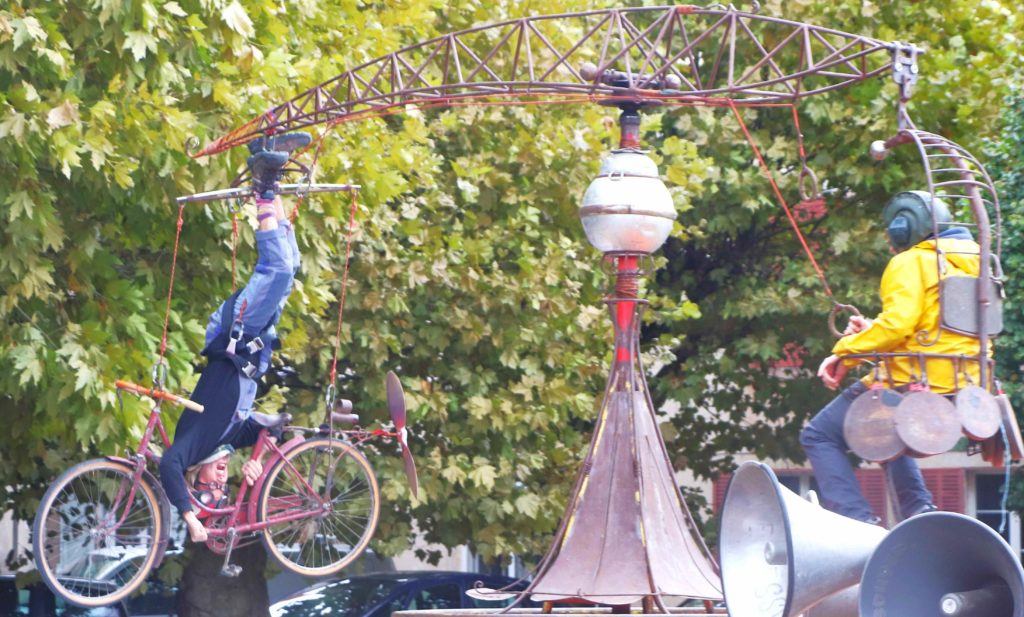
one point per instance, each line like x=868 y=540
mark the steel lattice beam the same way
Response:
x=716 y=55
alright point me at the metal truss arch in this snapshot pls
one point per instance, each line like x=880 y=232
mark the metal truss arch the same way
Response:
x=684 y=55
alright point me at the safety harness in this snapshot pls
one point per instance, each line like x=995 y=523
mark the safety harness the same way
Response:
x=234 y=344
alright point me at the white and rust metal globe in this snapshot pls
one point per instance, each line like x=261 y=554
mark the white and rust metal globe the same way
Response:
x=627 y=208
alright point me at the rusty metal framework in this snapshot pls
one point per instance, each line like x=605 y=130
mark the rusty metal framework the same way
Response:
x=707 y=56
x=627 y=534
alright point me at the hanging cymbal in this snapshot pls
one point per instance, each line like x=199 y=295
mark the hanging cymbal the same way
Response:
x=928 y=423
x=979 y=412
x=869 y=428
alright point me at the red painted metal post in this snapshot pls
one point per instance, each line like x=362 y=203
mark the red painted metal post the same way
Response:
x=625 y=309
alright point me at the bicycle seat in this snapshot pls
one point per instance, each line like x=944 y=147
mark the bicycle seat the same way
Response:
x=271 y=421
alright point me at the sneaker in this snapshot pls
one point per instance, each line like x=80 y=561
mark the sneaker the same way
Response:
x=265 y=168
x=925 y=509
x=288 y=142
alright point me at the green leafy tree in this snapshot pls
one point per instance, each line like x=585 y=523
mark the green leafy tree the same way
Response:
x=1005 y=153
x=469 y=275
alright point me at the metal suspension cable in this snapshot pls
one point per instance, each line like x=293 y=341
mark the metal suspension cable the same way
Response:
x=785 y=205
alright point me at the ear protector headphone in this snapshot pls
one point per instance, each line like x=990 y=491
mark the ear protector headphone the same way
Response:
x=912 y=216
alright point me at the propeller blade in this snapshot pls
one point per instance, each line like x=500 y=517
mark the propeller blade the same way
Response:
x=410 y=467
x=396 y=401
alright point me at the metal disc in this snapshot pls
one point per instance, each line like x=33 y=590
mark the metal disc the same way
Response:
x=979 y=412
x=927 y=423
x=869 y=428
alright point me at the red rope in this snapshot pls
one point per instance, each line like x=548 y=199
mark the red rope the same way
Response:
x=344 y=284
x=170 y=286
x=782 y=200
x=799 y=134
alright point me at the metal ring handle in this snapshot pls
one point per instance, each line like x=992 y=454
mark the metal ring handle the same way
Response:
x=836 y=309
x=807 y=174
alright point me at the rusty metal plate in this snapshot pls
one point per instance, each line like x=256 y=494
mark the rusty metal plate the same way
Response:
x=927 y=423
x=979 y=412
x=1012 y=429
x=869 y=426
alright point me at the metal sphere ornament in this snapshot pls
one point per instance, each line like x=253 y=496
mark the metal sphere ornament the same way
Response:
x=627 y=208
x=878 y=150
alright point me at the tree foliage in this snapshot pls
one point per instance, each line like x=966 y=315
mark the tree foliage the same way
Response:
x=469 y=274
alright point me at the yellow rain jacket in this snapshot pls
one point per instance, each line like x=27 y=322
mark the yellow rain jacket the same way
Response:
x=910 y=304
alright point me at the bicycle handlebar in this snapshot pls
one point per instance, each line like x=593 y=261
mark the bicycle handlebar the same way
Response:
x=159 y=394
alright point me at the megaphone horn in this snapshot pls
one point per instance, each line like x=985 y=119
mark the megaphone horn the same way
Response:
x=780 y=554
x=942 y=563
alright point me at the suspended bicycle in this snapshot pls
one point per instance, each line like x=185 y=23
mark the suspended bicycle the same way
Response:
x=103 y=525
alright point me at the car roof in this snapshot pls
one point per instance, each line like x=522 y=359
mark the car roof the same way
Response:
x=406 y=577
x=420 y=575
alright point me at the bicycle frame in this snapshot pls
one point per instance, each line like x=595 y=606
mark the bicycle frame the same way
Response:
x=242 y=514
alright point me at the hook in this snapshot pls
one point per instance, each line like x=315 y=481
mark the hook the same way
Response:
x=192 y=146
x=159 y=374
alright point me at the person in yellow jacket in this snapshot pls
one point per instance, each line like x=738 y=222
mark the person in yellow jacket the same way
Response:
x=909 y=322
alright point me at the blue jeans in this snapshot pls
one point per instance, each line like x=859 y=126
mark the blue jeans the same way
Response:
x=826 y=448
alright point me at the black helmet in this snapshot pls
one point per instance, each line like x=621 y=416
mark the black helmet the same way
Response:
x=909 y=218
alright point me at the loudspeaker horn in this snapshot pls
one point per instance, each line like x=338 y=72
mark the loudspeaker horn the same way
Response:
x=780 y=554
x=942 y=564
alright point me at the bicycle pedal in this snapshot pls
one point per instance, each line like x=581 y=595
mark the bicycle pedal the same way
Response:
x=231 y=571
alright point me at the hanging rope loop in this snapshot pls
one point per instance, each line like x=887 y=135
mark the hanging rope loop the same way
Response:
x=808 y=185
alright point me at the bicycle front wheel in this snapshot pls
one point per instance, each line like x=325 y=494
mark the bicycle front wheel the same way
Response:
x=320 y=504
x=94 y=538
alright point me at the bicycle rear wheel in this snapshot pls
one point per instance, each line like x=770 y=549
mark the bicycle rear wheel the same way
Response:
x=92 y=547
x=329 y=488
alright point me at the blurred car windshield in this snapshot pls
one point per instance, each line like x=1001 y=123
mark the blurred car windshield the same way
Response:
x=347 y=598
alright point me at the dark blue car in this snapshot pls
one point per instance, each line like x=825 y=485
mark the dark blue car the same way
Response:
x=379 y=595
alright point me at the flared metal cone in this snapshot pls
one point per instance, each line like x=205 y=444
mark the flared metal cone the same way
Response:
x=627 y=534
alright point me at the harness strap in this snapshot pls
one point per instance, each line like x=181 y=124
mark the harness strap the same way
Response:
x=226 y=343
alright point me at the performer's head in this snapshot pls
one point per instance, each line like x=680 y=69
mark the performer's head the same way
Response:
x=209 y=477
x=912 y=216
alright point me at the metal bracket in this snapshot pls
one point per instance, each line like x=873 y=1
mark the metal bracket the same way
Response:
x=904 y=67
